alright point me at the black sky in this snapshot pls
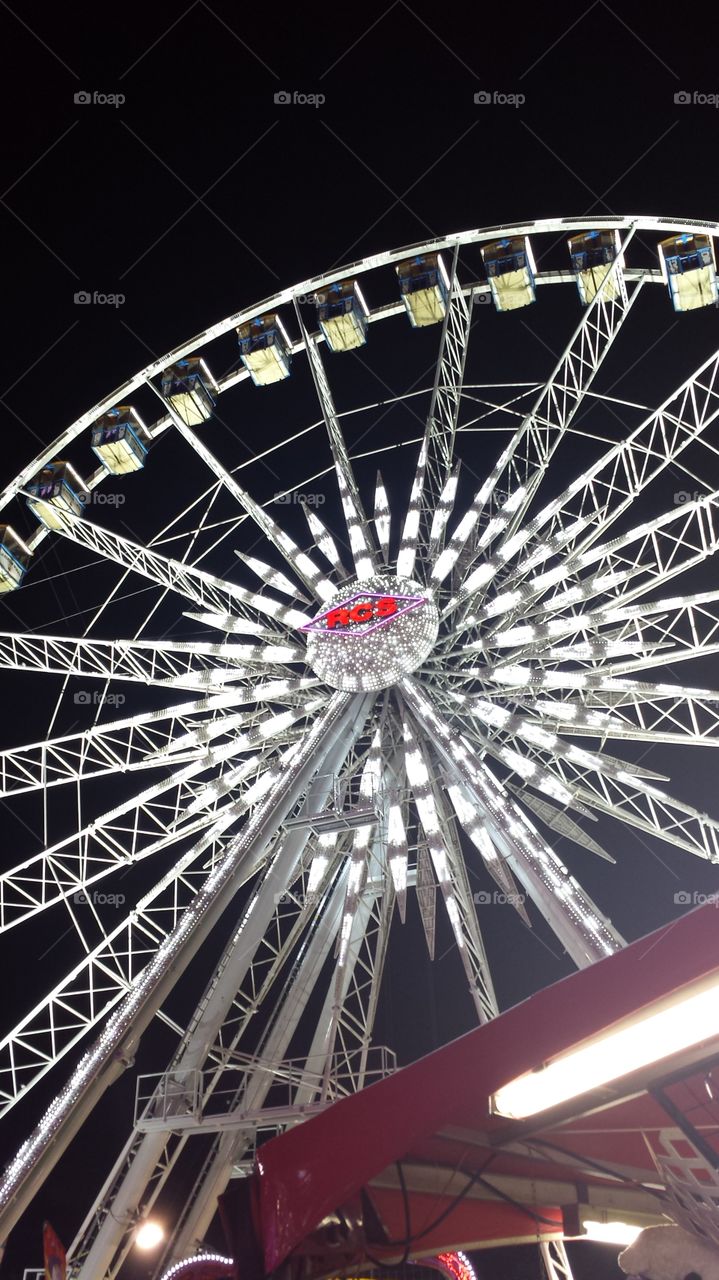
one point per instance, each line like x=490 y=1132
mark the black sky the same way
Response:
x=200 y=194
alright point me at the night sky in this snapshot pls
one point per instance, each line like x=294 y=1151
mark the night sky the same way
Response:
x=199 y=193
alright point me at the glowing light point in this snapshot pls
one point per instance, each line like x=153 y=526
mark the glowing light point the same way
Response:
x=149 y=1235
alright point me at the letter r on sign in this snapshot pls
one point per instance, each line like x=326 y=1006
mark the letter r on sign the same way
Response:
x=337 y=617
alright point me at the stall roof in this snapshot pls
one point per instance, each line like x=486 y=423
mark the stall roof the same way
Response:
x=472 y=1178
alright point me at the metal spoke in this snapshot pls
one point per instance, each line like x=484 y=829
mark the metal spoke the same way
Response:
x=145 y=824
x=303 y=566
x=596 y=499
x=451 y=875
x=179 y=664
x=421 y=534
x=523 y=462
x=578 y=924
x=357 y=524
x=196 y=585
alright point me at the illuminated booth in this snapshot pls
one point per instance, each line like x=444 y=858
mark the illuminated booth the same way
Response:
x=119 y=439
x=510 y=268
x=265 y=349
x=424 y=287
x=14 y=559
x=689 y=271
x=343 y=316
x=191 y=390
x=592 y=254
x=56 y=493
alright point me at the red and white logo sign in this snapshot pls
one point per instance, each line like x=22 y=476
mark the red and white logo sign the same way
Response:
x=361 y=613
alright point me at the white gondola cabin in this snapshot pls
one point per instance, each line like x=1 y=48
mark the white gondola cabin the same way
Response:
x=510 y=270
x=343 y=316
x=119 y=439
x=14 y=559
x=56 y=493
x=424 y=285
x=592 y=254
x=265 y=349
x=191 y=390
x=689 y=271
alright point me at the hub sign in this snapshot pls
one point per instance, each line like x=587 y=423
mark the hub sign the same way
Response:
x=372 y=633
x=358 y=614
x=365 y=611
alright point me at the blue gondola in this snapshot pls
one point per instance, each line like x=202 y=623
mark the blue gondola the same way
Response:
x=510 y=268
x=689 y=271
x=56 y=493
x=592 y=254
x=118 y=439
x=343 y=316
x=424 y=286
x=265 y=349
x=14 y=559
x=191 y=390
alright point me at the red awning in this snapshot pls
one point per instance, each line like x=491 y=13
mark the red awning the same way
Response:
x=471 y=1178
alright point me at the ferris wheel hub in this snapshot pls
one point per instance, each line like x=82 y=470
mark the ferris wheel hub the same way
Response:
x=371 y=633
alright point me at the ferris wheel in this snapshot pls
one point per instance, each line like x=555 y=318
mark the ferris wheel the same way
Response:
x=372 y=638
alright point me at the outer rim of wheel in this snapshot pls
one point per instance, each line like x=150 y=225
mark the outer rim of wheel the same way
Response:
x=478 y=236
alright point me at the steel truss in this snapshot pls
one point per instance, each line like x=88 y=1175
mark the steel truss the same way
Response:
x=556 y=1262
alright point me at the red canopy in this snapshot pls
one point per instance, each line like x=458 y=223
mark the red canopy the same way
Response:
x=421 y=1157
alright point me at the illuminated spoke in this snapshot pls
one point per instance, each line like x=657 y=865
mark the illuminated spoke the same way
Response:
x=303 y=566
x=422 y=533
x=357 y=525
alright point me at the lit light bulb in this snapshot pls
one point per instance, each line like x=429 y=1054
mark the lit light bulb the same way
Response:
x=149 y=1234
